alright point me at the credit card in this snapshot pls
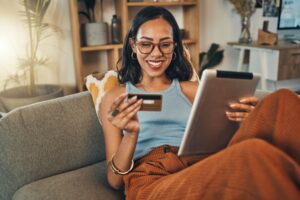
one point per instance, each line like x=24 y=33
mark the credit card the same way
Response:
x=151 y=102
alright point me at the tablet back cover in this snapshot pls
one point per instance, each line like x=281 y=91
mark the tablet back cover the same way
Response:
x=208 y=128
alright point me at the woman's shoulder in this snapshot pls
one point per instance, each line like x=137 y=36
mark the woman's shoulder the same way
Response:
x=189 y=84
x=189 y=89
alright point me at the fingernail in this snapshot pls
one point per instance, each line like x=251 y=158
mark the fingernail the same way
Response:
x=227 y=113
x=134 y=97
x=242 y=100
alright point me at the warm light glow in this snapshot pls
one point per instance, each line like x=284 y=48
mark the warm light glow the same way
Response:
x=5 y=48
x=12 y=41
x=8 y=53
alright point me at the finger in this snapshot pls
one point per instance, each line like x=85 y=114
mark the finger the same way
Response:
x=236 y=119
x=118 y=101
x=129 y=116
x=123 y=117
x=123 y=110
x=249 y=100
x=132 y=113
x=132 y=126
x=237 y=114
x=240 y=106
x=132 y=107
x=127 y=103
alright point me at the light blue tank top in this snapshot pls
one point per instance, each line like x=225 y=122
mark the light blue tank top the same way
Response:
x=163 y=127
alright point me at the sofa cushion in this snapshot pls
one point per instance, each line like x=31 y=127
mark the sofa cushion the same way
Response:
x=48 y=138
x=85 y=183
x=99 y=83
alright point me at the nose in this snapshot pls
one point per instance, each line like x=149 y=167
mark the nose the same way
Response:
x=156 y=51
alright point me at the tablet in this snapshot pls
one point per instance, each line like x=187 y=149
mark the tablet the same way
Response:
x=208 y=129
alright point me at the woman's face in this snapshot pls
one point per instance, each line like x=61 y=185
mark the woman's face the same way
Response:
x=154 y=47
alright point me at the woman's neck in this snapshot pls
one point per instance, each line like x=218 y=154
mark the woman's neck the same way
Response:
x=154 y=84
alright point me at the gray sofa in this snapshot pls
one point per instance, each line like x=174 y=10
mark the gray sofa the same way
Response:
x=54 y=150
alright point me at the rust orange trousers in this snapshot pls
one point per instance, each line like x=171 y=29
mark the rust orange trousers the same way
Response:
x=261 y=161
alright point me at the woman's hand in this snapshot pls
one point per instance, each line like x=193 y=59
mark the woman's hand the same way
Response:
x=123 y=113
x=243 y=108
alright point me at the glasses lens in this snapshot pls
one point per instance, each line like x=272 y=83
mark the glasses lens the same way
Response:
x=147 y=47
x=166 y=47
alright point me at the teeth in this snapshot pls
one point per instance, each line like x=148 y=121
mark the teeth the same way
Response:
x=155 y=63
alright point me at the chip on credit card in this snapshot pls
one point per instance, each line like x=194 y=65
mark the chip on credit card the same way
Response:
x=151 y=102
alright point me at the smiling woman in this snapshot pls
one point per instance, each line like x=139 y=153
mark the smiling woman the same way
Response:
x=6 y=51
x=141 y=145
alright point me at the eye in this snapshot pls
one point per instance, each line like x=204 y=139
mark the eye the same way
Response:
x=165 y=44
x=146 y=44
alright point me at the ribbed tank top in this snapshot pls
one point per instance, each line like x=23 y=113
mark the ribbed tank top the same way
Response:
x=163 y=127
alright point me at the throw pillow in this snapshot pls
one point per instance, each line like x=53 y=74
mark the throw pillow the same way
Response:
x=99 y=83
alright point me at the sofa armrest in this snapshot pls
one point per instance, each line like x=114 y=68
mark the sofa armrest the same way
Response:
x=48 y=138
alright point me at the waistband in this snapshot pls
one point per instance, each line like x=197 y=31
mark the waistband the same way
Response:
x=161 y=151
x=157 y=153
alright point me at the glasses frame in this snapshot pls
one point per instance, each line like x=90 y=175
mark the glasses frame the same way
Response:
x=154 y=45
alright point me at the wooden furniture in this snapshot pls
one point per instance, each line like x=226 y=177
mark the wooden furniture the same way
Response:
x=266 y=38
x=274 y=62
x=87 y=59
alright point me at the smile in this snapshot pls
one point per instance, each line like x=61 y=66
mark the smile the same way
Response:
x=155 y=63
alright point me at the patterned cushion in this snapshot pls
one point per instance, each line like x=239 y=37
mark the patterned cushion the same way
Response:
x=99 y=83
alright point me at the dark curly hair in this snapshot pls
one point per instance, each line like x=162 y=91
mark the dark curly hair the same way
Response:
x=180 y=68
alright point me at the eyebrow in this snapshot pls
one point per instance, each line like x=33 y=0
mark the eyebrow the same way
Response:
x=161 y=39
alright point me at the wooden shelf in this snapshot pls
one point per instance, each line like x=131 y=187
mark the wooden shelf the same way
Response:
x=102 y=47
x=88 y=59
x=143 y=4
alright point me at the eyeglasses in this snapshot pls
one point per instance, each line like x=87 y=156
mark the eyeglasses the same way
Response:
x=164 y=47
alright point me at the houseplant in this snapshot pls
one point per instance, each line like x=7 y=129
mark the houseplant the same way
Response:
x=93 y=32
x=211 y=58
x=245 y=8
x=33 y=15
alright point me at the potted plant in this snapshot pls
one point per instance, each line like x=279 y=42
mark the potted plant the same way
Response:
x=211 y=58
x=245 y=8
x=93 y=32
x=38 y=30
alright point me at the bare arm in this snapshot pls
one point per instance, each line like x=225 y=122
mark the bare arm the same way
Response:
x=121 y=146
x=189 y=89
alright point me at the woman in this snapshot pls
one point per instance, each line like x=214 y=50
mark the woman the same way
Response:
x=154 y=62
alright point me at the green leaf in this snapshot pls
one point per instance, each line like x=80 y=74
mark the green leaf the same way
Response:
x=213 y=48
x=86 y=15
x=90 y=6
x=210 y=59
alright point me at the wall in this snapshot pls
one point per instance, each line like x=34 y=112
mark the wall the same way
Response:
x=218 y=23
x=57 y=48
x=221 y=24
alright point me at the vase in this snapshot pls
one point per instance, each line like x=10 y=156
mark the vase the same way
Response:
x=94 y=33
x=245 y=36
